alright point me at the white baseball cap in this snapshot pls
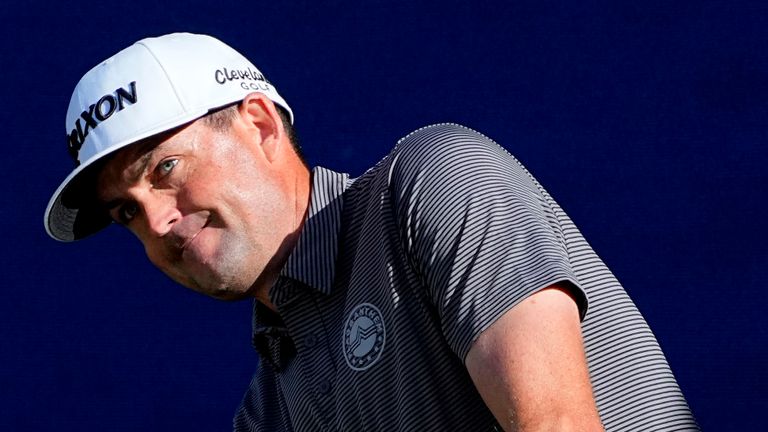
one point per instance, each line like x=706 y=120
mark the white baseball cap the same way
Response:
x=150 y=87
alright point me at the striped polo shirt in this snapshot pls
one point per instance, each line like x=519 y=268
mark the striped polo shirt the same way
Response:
x=397 y=272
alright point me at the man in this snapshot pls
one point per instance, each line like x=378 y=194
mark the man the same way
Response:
x=443 y=289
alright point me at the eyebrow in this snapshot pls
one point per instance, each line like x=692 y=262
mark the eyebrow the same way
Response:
x=144 y=162
x=136 y=175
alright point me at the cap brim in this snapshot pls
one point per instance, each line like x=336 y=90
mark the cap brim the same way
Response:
x=69 y=223
x=73 y=212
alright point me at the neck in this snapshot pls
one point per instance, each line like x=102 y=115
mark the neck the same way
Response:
x=300 y=187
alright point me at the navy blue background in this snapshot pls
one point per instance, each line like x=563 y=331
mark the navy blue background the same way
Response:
x=645 y=120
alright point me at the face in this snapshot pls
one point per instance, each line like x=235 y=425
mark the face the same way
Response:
x=211 y=209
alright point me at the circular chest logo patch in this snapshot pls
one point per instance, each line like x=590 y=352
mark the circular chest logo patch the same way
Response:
x=364 y=335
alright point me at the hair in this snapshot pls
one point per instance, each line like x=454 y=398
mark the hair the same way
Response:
x=220 y=119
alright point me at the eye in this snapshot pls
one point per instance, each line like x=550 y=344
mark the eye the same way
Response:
x=165 y=167
x=127 y=212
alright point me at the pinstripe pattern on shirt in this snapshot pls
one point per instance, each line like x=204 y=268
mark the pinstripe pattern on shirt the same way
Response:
x=442 y=237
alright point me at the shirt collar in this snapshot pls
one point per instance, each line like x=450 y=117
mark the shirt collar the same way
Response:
x=313 y=260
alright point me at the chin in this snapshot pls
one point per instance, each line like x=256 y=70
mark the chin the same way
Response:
x=210 y=285
x=219 y=289
x=227 y=294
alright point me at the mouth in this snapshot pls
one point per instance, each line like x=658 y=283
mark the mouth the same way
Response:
x=179 y=241
x=190 y=239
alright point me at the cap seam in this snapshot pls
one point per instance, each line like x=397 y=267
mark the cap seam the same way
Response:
x=165 y=72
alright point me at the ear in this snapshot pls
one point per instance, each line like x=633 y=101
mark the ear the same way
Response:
x=262 y=124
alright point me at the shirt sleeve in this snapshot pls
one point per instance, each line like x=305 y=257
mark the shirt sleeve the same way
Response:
x=477 y=228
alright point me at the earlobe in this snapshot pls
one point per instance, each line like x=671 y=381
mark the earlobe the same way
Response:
x=262 y=123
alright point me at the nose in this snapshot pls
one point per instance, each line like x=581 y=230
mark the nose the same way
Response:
x=161 y=214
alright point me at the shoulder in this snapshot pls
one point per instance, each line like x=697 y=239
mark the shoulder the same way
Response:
x=451 y=154
x=443 y=139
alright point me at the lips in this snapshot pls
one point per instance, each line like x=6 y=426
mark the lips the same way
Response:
x=186 y=243
x=186 y=230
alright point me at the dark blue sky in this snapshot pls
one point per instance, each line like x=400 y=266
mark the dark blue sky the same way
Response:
x=645 y=120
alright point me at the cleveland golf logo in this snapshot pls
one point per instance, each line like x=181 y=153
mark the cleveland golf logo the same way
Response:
x=364 y=335
x=96 y=113
x=250 y=79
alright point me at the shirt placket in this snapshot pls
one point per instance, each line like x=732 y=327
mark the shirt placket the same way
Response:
x=302 y=316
